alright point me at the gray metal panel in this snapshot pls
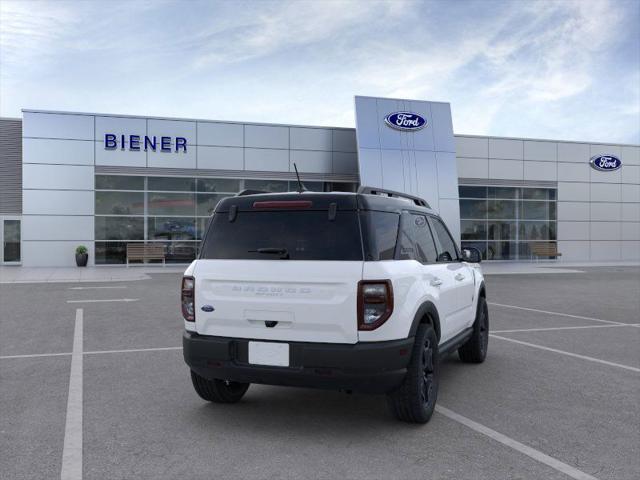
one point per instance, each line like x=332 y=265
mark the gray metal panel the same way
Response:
x=370 y=167
x=261 y=136
x=367 y=133
x=442 y=128
x=231 y=158
x=510 y=183
x=344 y=140
x=344 y=162
x=50 y=125
x=10 y=166
x=310 y=139
x=180 y=172
x=389 y=138
x=423 y=139
x=405 y=161
x=58 y=152
x=220 y=134
x=311 y=161
x=120 y=126
x=392 y=171
x=427 y=175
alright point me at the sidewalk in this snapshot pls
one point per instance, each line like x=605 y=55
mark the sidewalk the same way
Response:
x=11 y=274
x=549 y=266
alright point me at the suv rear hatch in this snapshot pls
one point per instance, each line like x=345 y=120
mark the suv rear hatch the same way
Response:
x=281 y=267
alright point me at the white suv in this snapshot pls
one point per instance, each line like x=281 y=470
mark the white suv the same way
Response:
x=348 y=291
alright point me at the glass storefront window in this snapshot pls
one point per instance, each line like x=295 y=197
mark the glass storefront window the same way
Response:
x=506 y=221
x=177 y=184
x=501 y=251
x=169 y=228
x=119 y=203
x=119 y=182
x=473 y=208
x=119 y=228
x=538 y=194
x=202 y=223
x=207 y=203
x=473 y=229
x=172 y=211
x=107 y=253
x=501 y=231
x=501 y=209
x=267 y=185
x=171 y=204
x=229 y=185
x=502 y=192
x=472 y=192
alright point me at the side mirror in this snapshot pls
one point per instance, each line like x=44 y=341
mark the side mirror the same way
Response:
x=471 y=255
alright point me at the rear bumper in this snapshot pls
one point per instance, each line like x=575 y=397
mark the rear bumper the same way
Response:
x=375 y=367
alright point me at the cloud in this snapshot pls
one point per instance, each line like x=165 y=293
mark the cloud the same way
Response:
x=508 y=68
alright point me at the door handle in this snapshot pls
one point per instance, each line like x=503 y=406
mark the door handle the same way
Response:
x=436 y=282
x=459 y=277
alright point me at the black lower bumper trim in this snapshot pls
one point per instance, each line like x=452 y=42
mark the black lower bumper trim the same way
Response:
x=375 y=367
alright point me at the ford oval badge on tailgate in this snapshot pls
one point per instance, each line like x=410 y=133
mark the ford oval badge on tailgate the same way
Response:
x=405 y=121
x=207 y=308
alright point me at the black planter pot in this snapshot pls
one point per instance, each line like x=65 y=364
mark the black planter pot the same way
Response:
x=82 y=259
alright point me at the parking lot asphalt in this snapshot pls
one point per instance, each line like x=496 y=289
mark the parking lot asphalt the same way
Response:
x=556 y=398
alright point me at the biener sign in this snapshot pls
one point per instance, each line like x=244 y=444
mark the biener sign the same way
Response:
x=139 y=142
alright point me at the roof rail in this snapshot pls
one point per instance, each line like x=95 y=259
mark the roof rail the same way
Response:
x=390 y=193
x=250 y=192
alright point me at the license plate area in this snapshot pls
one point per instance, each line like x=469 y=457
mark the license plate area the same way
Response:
x=269 y=353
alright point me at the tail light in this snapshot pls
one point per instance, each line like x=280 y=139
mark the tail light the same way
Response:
x=375 y=303
x=187 y=299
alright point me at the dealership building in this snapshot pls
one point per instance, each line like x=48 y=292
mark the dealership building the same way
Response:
x=112 y=181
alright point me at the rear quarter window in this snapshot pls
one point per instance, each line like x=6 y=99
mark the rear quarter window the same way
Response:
x=380 y=234
x=304 y=235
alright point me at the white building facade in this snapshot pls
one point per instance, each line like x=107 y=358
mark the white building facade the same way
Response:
x=105 y=181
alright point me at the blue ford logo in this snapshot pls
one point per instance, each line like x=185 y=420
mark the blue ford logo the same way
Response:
x=605 y=163
x=405 y=121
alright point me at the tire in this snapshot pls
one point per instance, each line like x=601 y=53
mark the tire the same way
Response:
x=474 y=350
x=415 y=400
x=218 y=391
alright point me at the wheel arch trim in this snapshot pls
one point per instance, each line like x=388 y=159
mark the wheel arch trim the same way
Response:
x=426 y=309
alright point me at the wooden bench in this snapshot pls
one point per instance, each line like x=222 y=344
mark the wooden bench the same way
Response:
x=545 y=249
x=142 y=252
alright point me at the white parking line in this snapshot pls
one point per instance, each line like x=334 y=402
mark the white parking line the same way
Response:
x=565 y=328
x=34 y=355
x=514 y=444
x=569 y=354
x=72 y=449
x=105 y=300
x=158 y=349
x=93 y=352
x=556 y=313
x=95 y=288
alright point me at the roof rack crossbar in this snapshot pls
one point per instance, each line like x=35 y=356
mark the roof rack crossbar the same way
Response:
x=391 y=193
x=250 y=192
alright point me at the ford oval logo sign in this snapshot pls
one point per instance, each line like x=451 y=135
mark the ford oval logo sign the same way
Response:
x=606 y=163
x=405 y=121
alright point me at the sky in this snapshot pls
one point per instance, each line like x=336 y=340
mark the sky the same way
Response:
x=540 y=69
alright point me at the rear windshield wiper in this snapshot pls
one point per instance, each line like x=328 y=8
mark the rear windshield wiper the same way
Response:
x=284 y=254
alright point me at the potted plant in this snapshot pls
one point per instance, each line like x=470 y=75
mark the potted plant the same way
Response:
x=82 y=256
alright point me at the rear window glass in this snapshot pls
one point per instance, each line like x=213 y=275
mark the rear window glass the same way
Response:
x=274 y=235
